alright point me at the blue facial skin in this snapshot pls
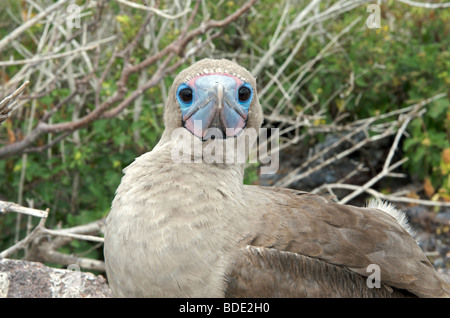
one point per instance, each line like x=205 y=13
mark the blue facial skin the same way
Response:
x=184 y=105
x=215 y=101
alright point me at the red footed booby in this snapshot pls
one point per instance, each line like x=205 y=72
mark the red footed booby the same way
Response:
x=183 y=224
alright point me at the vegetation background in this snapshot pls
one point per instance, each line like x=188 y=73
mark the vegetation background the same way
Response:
x=98 y=86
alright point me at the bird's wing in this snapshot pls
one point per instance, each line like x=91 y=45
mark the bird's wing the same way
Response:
x=269 y=272
x=327 y=239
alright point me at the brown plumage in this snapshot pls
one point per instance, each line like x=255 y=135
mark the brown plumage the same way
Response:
x=192 y=229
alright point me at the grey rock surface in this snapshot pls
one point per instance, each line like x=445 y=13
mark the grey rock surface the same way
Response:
x=23 y=279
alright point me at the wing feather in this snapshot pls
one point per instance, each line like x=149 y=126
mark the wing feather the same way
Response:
x=342 y=236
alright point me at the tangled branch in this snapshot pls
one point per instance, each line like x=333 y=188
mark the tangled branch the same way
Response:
x=112 y=106
x=9 y=103
x=38 y=246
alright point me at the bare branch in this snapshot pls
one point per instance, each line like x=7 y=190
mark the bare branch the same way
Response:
x=280 y=40
x=46 y=251
x=22 y=28
x=22 y=244
x=180 y=45
x=7 y=207
x=38 y=59
x=379 y=195
x=372 y=181
x=426 y=4
x=74 y=236
x=49 y=255
x=362 y=125
x=154 y=10
x=287 y=181
x=8 y=104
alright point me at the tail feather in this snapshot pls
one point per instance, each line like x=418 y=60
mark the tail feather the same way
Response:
x=390 y=209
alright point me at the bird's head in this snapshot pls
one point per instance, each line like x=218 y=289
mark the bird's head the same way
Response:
x=213 y=99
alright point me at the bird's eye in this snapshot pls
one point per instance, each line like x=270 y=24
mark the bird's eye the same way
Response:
x=244 y=94
x=186 y=95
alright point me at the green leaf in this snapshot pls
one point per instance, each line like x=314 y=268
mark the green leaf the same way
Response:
x=438 y=108
x=417 y=156
x=409 y=143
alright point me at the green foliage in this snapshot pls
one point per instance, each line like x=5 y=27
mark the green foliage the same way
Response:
x=251 y=174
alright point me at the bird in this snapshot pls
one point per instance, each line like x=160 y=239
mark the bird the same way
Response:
x=187 y=226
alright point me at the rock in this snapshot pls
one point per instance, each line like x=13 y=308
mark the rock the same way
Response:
x=23 y=279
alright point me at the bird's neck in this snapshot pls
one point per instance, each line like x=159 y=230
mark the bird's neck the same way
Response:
x=203 y=167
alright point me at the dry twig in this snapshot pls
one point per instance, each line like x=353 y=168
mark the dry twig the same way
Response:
x=7 y=207
x=426 y=4
x=38 y=249
x=9 y=103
